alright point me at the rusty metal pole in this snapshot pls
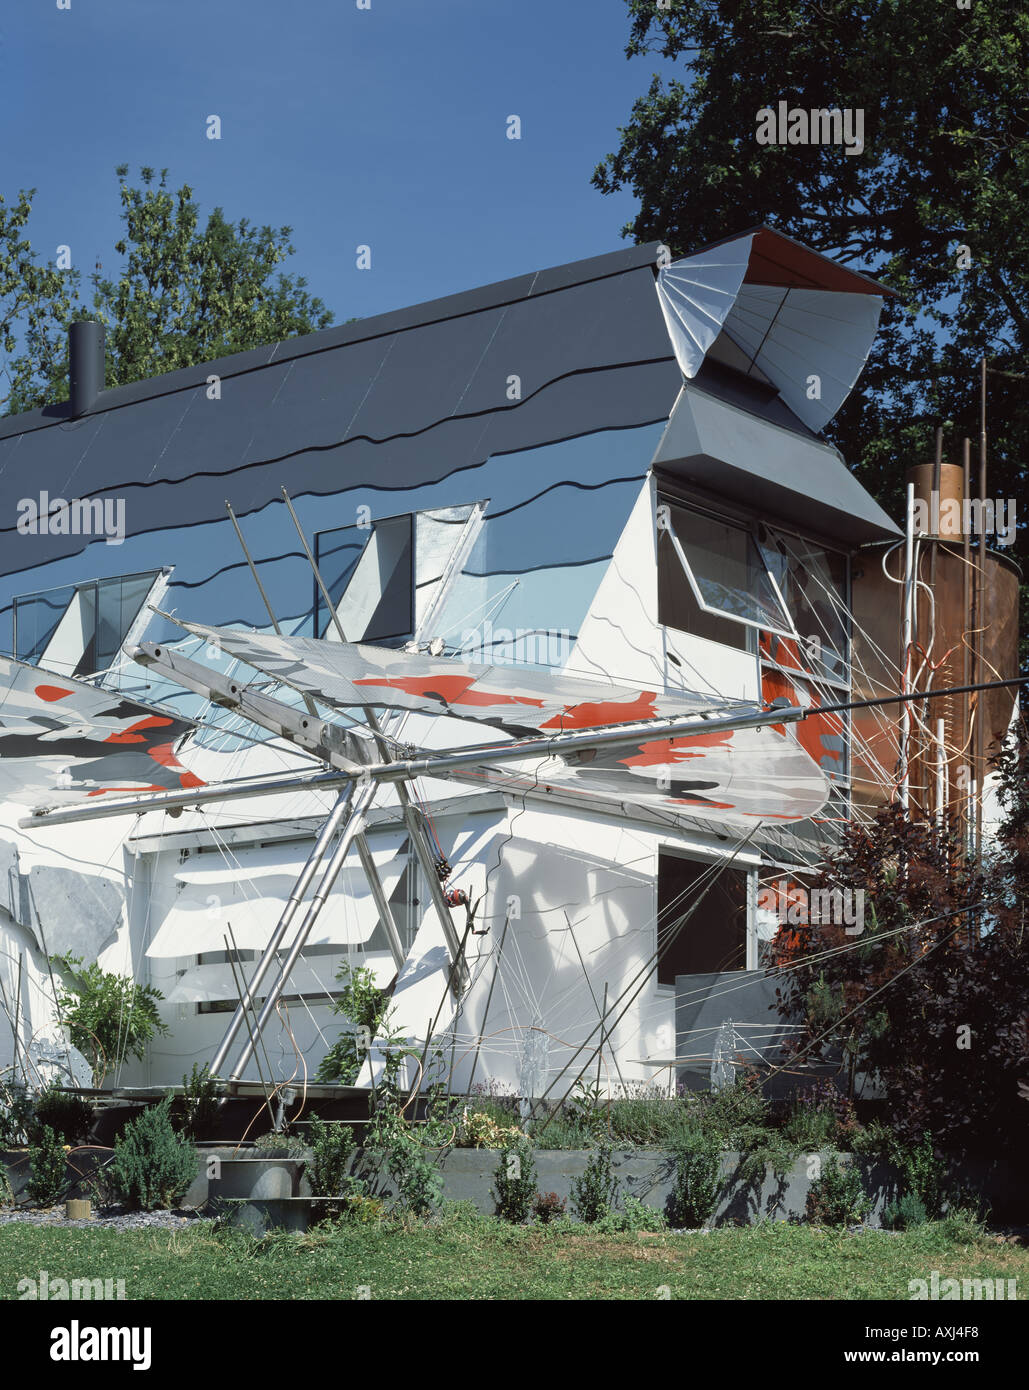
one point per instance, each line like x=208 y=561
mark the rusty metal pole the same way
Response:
x=980 y=722
x=966 y=654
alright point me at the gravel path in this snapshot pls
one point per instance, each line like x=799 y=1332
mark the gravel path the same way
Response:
x=113 y=1218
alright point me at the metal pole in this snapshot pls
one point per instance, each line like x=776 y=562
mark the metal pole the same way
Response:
x=308 y=702
x=909 y=588
x=966 y=655
x=301 y=886
x=980 y=720
x=353 y=827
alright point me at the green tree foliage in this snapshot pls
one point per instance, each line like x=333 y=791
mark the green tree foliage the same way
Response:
x=186 y=291
x=48 y=1169
x=109 y=1017
x=945 y=165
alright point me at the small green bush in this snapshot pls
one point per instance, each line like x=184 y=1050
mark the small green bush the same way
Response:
x=924 y=1174
x=634 y=1216
x=908 y=1211
x=152 y=1166
x=67 y=1114
x=695 y=1186
x=838 y=1197
x=16 y=1115
x=6 y=1191
x=272 y=1145
x=514 y=1183
x=48 y=1167
x=332 y=1147
x=593 y=1193
x=199 y=1102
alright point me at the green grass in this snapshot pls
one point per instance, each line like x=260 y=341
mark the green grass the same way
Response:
x=461 y=1257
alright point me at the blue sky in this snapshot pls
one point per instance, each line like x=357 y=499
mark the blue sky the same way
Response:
x=384 y=127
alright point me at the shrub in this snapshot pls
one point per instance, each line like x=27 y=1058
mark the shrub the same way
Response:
x=199 y=1102
x=16 y=1115
x=695 y=1186
x=109 y=1017
x=152 y=1166
x=68 y=1115
x=419 y=1181
x=48 y=1169
x=922 y=1172
x=838 y=1197
x=481 y=1131
x=514 y=1182
x=593 y=1193
x=635 y=1216
x=365 y=1006
x=6 y=1191
x=908 y=1211
x=547 y=1207
x=332 y=1147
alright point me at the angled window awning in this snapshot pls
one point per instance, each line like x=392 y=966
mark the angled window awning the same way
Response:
x=204 y=910
x=784 y=313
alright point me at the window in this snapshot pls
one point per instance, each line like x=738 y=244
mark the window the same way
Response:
x=715 y=936
x=724 y=569
x=382 y=577
x=80 y=628
x=813 y=583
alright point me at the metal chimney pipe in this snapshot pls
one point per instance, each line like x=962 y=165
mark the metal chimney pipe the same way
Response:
x=86 y=364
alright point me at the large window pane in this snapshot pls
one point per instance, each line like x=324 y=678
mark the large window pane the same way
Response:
x=715 y=936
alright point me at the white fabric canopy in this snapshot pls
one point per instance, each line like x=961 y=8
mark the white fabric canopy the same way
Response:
x=791 y=330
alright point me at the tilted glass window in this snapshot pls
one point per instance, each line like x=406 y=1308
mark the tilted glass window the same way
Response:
x=725 y=569
x=79 y=628
x=381 y=576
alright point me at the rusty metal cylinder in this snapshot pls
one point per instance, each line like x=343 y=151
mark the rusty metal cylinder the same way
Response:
x=940 y=515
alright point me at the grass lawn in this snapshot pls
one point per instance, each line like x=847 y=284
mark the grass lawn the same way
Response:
x=459 y=1257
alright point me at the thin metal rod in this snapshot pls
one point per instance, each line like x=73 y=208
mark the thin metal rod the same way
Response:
x=967 y=622
x=906 y=640
x=353 y=827
x=601 y=1012
x=308 y=702
x=489 y=1000
x=980 y=710
x=240 y=990
x=301 y=886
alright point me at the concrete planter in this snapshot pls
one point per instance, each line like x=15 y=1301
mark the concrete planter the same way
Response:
x=257 y=1178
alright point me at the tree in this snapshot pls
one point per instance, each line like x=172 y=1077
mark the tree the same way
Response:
x=931 y=998
x=933 y=205
x=109 y=1017
x=185 y=293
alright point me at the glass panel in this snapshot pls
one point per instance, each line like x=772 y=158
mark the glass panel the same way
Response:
x=715 y=936
x=729 y=571
x=813 y=582
x=79 y=629
x=35 y=620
